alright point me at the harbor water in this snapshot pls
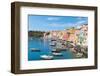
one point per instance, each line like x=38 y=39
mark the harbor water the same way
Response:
x=44 y=49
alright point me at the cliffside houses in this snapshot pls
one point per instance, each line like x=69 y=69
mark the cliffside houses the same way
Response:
x=77 y=36
x=83 y=35
x=74 y=39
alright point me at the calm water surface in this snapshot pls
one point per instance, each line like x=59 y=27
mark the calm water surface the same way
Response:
x=45 y=49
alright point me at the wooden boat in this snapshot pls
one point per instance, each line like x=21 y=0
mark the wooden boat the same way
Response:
x=47 y=57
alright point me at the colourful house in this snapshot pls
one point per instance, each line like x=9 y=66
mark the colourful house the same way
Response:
x=77 y=36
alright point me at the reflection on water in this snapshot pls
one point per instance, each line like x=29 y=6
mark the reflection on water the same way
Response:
x=45 y=49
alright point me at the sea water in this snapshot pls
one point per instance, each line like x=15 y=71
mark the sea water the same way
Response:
x=45 y=49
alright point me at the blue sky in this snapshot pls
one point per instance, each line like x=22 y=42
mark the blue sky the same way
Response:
x=48 y=23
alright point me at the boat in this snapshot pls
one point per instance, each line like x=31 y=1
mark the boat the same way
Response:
x=52 y=44
x=61 y=49
x=34 y=49
x=53 y=39
x=47 y=57
x=79 y=54
x=54 y=50
x=57 y=54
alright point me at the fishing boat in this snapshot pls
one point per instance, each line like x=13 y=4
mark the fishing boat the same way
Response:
x=47 y=57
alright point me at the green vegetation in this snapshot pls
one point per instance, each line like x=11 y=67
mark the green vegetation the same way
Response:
x=35 y=34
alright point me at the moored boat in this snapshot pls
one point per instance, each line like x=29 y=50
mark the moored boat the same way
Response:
x=57 y=54
x=79 y=54
x=52 y=43
x=61 y=49
x=55 y=50
x=47 y=57
x=34 y=49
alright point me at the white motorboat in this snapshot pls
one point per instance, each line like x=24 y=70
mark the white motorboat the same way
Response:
x=57 y=54
x=47 y=57
x=52 y=44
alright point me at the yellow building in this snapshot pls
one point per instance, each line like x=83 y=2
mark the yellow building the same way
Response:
x=72 y=35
